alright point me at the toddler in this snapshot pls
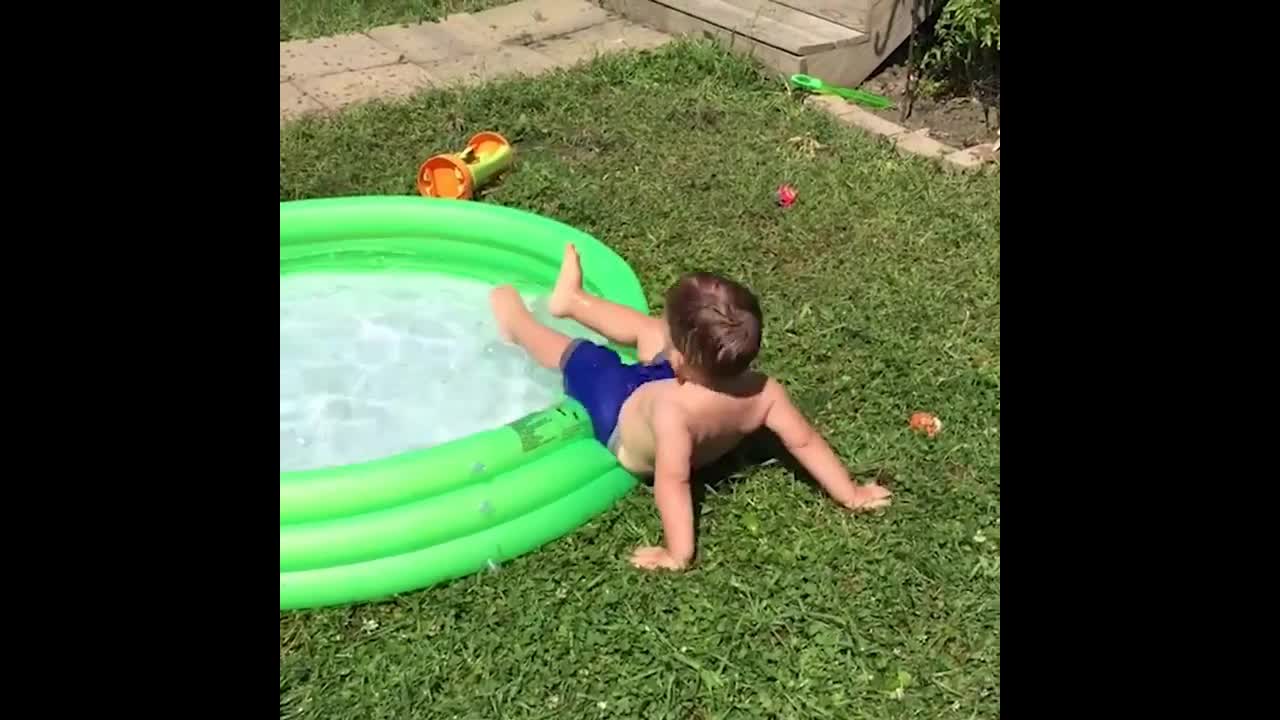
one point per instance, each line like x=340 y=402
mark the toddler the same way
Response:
x=692 y=401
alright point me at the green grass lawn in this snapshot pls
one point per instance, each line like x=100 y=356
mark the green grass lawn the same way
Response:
x=881 y=294
x=301 y=19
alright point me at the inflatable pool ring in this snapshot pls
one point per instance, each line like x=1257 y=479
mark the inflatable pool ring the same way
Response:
x=370 y=530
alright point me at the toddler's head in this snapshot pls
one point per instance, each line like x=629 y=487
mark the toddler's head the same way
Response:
x=714 y=326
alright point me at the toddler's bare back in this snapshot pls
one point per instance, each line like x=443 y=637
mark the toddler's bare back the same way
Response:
x=717 y=419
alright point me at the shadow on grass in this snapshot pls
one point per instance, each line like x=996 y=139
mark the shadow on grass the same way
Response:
x=760 y=449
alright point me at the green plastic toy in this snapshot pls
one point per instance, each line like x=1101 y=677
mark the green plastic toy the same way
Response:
x=815 y=85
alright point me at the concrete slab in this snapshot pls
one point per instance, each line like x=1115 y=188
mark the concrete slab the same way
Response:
x=918 y=142
x=461 y=35
x=612 y=36
x=302 y=59
x=504 y=61
x=358 y=86
x=294 y=103
x=533 y=20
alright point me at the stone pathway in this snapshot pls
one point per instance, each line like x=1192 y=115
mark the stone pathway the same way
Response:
x=526 y=38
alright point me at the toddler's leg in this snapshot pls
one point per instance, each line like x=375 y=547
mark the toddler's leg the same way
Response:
x=517 y=325
x=619 y=323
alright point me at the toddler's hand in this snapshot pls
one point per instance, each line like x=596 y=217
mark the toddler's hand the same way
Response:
x=869 y=497
x=655 y=558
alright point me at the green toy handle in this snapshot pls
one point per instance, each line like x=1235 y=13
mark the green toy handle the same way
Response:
x=816 y=85
x=808 y=82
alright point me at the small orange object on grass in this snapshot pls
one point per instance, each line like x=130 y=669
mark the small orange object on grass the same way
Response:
x=926 y=423
x=459 y=176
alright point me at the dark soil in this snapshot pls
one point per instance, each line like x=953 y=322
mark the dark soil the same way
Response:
x=956 y=121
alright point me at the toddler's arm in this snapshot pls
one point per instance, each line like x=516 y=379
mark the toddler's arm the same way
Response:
x=671 y=492
x=808 y=447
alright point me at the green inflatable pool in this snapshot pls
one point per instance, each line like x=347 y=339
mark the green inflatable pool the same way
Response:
x=367 y=531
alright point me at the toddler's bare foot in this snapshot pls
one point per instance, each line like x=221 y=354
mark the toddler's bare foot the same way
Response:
x=568 y=284
x=655 y=558
x=508 y=309
x=869 y=497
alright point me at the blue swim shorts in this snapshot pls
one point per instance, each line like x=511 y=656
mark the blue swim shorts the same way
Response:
x=595 y=376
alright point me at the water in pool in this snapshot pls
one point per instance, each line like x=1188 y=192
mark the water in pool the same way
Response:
x=376 y=364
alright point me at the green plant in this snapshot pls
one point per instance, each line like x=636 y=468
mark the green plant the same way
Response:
x=964 y=47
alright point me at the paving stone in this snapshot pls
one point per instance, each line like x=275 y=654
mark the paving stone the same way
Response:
x=966 y=160
x=501 y=62
x=918 y=142
x=464 y=49
x=301 y=59
x=532 y=20
x=294 y=103
x=850 y=114
x=613 y=36
x=458 y=36
x=356 y=86
x=869 y=121
x=826 y=103
x=986 y=152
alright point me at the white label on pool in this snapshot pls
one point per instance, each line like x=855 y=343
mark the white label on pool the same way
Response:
x=376 y=364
